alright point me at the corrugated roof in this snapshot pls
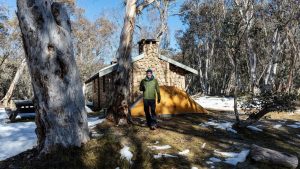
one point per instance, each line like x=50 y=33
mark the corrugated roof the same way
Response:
x=109 y=69
x=174 y=62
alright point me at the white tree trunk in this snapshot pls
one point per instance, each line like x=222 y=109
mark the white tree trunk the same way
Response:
x=246 y=11
x=60 y=111
x=272 y=66
x=161 y=35
x=201 y=78
x=293 y=60
x=206 y=68
x=252 y=64
x=275 y=62
x=120 y=97
x=232 y=77
x=13 y=84
x=209 y=55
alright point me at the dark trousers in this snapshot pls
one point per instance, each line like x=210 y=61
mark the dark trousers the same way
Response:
x=149 y=108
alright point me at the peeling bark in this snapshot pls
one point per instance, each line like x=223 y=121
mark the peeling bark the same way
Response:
x=60 y=111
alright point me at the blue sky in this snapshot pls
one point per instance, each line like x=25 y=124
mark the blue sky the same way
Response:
x=94 y=8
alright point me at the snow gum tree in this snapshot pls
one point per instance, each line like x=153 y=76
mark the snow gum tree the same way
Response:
x=60 y=110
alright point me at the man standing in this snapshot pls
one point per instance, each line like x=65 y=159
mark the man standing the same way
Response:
x=150 y=88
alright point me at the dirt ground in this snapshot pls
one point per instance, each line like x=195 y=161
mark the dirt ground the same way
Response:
x=181 y=133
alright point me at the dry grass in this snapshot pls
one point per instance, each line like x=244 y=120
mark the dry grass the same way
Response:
x=180 y=132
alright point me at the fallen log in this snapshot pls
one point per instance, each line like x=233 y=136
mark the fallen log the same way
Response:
x=268 y=156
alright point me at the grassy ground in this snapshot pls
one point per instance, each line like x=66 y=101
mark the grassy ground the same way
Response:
x=180 y=132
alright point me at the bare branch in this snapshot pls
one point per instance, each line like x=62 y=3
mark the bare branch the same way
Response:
x=143 y=5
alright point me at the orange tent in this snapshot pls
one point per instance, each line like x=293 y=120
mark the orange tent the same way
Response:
x=173 y=101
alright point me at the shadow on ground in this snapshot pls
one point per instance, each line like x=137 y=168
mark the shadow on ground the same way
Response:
x=180 y=132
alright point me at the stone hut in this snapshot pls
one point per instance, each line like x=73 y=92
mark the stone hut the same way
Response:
x=167 y=71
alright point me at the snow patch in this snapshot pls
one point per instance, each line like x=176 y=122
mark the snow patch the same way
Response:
x=93 y=121
x=225 y=154
x=3 y=115
x=160 y=155
x=232 y=157
x=126 y=154
x=282 y=121
x=240 y=157
x=295 y=125
x=88 y=110
x=164 y=147
x=184 y=152
x=216 y=103
x=16 y=138
x=254 y=128
x=214 y=159
x=209 y=162
x=194 y=168
x=232 y=130
x=277 y=126
x=222 y=125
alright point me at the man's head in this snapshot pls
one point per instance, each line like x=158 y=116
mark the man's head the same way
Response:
x=149 y=73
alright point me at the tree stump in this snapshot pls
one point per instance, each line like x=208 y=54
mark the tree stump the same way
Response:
x=268 y=156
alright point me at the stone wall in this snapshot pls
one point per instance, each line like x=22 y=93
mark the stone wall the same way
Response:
x=177 y=77
x=150 y=60
x=165 y=73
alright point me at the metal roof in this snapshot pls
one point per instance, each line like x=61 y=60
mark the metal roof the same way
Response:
x=174 y=62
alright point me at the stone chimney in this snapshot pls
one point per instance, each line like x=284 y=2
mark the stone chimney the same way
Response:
x=147 y=45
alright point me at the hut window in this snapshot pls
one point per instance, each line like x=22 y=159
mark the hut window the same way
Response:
x=103 y=85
